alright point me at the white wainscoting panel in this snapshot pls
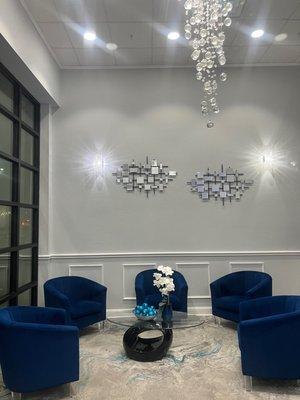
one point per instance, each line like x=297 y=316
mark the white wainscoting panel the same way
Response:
x=89 y=271
x=197 y=275
x=130 y=271
x=246 y=266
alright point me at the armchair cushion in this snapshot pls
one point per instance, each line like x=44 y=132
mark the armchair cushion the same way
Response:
x=84 y=308
x=230 y=303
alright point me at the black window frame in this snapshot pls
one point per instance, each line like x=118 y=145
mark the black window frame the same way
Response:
x=15 y=204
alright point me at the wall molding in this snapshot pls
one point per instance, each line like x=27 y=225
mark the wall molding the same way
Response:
x=139 y=267
x=244 y=265
x=250 y=253
x=196 y=265
x=98 y=270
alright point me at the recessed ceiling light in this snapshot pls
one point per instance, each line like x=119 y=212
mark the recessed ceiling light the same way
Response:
x=111 y=46
x=89 y=35
x=281 y=37
x=257 y=33
x=1 y=169
x=173 y=35
x=293 y=163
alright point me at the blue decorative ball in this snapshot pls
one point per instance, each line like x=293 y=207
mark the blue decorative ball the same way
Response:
x=144 y=311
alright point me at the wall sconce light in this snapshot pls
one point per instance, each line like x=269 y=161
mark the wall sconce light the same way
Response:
x=268 y=159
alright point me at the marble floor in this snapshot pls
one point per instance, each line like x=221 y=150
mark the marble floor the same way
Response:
x=203 y=364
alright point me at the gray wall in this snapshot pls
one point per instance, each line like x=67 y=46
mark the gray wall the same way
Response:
x=109 y=235
x=146 y=112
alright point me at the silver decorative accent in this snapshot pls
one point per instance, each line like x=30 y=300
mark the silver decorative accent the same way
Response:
x=224 y=185
x=149 y=177
x=204 y=29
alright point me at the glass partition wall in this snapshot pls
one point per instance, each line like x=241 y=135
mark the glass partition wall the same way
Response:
x=19 y=192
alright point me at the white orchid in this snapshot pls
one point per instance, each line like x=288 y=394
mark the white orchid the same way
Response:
x=165 y=270
x=163 y=281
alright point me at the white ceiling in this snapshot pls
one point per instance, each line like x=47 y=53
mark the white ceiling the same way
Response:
x=139 y=28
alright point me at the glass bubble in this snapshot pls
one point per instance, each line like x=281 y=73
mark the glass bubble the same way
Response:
x=208 y=55
x=222 y=36
x=224 y=12
x=199 y=76
x=210 y=64
x=206 y=85
x=188 y=35
x=214 y=85
x=210 y=124
x=193 y=20
x=188 y=27
x=188 y=4
x=223 y=76
x=203 y=33
x=202 y=42
x=203 y=103
x=222 y=60
x=214 y=41
x=199 y=67
x=195 y=55
x=229 y=6
x=198 y=18
x=216 y=109
x=195 y=44
x=196 y=3
x=219 y=50
x=227 y=21
x=213 y=100
x=203 y=62
x=214 y=16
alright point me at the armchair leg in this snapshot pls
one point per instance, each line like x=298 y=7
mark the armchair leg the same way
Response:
x=16 y=396
x=101 y=325
x=248 y=383
x=70 y=389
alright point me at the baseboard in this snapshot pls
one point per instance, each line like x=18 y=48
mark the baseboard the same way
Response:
x=127 y=312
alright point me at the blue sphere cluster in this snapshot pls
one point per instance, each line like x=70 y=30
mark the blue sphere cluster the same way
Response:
x=144 y=310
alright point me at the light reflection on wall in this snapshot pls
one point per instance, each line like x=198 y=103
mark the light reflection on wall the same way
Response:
x=97 y=164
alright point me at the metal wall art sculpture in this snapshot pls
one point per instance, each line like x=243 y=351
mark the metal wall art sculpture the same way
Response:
x=224 y=185
x=149 y=177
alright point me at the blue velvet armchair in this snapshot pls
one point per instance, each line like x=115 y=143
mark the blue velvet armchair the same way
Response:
x=83 y=299
x=230 y=290
x=269 y=337
x=37 y=349
x=147 y=293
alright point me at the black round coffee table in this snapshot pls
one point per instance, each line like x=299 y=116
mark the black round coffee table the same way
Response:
x=150 y=340
x=145 y=341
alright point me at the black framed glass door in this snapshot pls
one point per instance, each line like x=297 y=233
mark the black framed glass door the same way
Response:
x=19 y=192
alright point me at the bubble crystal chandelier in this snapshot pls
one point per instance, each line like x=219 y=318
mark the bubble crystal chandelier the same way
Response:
x=204 y=29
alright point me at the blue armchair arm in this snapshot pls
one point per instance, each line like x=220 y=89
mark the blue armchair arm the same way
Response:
x=263 y=288
x=216 y=288
x=40 y=315
x=39 y=356
x=139 y=289
x=97 y=291
x=262 y=307
x=269 y=346
x=181 y=288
